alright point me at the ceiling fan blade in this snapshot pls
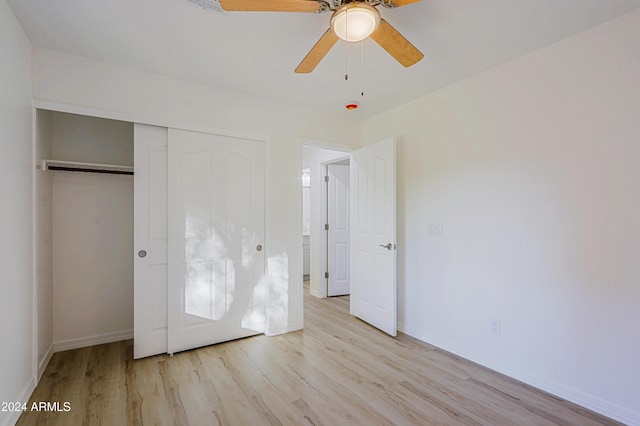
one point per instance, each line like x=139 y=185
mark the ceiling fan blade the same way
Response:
x=396 y=45
x=317 y=52
x=399 y=3
x=270 y=5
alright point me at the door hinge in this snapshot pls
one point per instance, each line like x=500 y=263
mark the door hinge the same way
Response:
x=326 y=226
x=326 y=178
x=326 y=275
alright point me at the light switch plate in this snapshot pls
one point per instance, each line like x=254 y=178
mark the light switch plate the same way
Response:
x=434 y=229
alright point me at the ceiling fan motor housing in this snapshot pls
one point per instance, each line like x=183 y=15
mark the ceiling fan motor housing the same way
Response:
x=355 y=21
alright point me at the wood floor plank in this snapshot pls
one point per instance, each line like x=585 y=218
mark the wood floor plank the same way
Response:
x=234 y=403
x=280 y=368
x=338 y=371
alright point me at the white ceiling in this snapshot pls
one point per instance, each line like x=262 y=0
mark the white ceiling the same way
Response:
x=256 y=53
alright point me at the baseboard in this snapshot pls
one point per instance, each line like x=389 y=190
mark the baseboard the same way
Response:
x=83 y=342
x=24 y=397
x=42 y=365
x=567 y=393
x=315 y=293
x=295 y=327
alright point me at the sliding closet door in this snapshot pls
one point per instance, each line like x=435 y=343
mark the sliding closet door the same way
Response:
x=150 y=241
x=217 y=285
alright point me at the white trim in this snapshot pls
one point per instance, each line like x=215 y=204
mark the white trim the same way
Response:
x=34 y=248
x=560 y=390
x=83 y=342
x=141 y=119
x=299 y=281
x=42 y=365
x=316 y=293
x=333 y=146
x=24 y=397
x=323 y=290
x=347 y=156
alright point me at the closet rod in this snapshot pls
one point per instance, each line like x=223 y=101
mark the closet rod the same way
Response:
x=86 y=170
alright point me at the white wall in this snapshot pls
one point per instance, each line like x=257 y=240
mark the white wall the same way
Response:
x=532 y=167
x=17 y=373
x=92 y=233
x=73 y=83
x=313 y=159
x=44 y=240
x=92 y=140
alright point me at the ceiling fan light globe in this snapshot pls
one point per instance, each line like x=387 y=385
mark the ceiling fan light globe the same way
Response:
x=355 y=21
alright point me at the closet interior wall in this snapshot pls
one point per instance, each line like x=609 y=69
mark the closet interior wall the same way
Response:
x=84 y=234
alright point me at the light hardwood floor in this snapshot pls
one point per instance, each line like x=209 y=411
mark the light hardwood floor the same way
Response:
x=338 y=371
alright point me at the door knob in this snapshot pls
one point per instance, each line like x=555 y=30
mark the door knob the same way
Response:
x=142 y=253
x=259 y=247
x=387 y=246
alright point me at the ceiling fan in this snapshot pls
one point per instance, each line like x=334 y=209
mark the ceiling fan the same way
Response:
x=352 y=21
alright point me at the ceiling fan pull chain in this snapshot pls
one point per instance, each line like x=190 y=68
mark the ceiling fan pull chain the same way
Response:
x=346 y=56
x=346 y=63
x=362 y=67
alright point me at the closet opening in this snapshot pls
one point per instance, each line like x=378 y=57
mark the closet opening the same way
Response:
x=83 y=231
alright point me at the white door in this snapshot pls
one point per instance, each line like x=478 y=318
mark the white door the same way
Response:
x=373 y=235
x=338 y=234
x=150 y=241
x=217 y=285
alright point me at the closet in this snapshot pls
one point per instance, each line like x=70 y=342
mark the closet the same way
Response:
x=172 y=255
x=84 y=231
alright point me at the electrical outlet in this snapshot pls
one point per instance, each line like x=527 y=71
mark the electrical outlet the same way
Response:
x=495 y=327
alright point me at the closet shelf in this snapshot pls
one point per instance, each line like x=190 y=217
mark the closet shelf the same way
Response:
x=74 y=166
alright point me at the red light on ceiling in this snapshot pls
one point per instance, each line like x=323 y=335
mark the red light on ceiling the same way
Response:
x=351 y=106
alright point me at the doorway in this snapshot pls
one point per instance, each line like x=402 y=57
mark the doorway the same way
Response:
x=315 y=161
x=372 y=235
